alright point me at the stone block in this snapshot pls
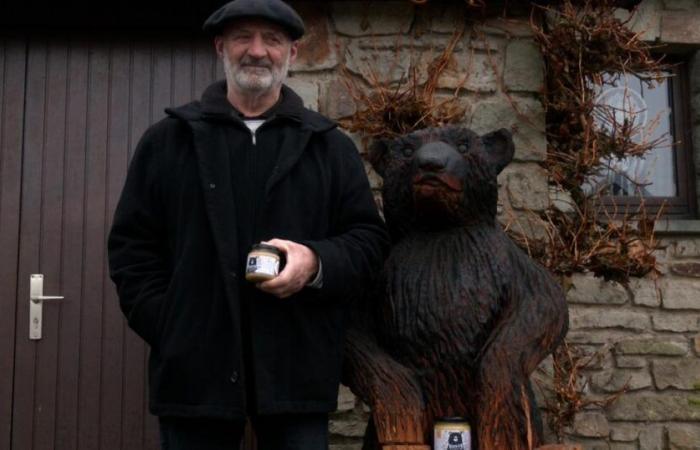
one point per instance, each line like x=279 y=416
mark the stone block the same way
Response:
x=585 y=288
x=524 y=69
x=307 y=90
x=561 y=200
x=526 y=184
x=683 y=373
x=560 y=447
x=680 y=5
x=361 y=18
x=696 y=344
x=686 y=248
x=386 y=60
x=591 y=424
x=606 y=318
x=678 y=323
x=316 y=51
x=346 y=399
x=652 y=345
x=622 y=446
x=442 y=17
x=523 y=116
x=336 y=101
x=690 y=269
x=645 y=292
x=630 y=362
x=680 y=27
x=624 y=433
x=347 y=427
x=472 y=71
x=523 y=222
x=646 y=20
x=357 y=446
x=684 y=436
x=681 y=294
x=651 y=438
x=588 y=443
x=597 y=337
x=615 y=380
x=644 y=406
x=506 y=26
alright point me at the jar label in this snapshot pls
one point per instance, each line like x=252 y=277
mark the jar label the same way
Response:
x=263 y=264
x=452 y=439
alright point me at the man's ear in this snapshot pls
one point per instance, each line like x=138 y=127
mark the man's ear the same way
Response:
x=498 y=148
x=378 y=155
x=219 y=45
x=293 y=51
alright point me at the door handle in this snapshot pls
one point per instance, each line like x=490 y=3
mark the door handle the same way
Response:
x=36 y=303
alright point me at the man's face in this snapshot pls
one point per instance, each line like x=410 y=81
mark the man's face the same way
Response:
x=256 y=55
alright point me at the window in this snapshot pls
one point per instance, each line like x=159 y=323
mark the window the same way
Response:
x=664 y=175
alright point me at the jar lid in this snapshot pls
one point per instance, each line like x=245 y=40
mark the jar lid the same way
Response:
x=267 y=248
x=451 y=419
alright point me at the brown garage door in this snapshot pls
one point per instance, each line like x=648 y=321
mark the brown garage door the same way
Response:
x=72 y=107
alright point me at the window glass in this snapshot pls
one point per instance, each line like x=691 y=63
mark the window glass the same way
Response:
x=648 y=110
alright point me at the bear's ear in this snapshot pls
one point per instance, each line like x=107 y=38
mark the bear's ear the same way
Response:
x=378 y=155
x=498 y=148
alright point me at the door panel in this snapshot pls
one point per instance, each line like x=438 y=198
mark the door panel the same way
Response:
x=12 y=72
x=88 y=101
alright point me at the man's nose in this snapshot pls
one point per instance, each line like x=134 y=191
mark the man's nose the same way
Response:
x=257 y=47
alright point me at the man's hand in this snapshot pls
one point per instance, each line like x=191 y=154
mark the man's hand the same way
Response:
x=301 y=267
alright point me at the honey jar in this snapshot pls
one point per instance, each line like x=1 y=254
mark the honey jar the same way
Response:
x=263 y=263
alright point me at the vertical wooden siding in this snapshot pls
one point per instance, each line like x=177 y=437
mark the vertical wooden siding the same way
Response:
x=88 y=100
x=12 y=72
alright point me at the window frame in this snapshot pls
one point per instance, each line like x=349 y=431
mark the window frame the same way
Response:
x=684 y=205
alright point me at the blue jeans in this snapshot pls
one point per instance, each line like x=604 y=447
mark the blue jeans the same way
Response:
x=277 y=432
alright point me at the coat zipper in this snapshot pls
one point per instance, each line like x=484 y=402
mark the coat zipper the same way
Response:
x=253 y=134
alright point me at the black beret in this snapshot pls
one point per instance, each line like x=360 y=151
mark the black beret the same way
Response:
x=275 y=11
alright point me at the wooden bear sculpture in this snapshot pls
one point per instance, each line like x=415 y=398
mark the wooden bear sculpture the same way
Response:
x=461 y=316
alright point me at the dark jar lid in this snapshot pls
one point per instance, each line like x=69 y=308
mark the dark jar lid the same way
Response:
x=451 y=419
x=267 y=248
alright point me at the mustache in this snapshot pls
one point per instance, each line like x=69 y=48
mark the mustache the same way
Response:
x=248 y=61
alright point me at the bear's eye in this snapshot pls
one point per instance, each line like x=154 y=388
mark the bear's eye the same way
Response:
x=462 y=148
x=407 y=151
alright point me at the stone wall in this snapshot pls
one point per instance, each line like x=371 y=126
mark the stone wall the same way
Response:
x=647 y=333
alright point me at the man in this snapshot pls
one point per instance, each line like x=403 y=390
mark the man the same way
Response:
x=248 y=163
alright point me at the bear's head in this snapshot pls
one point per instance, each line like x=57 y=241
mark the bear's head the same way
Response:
x=440 y=178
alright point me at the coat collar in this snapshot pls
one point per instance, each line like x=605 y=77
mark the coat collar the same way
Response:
x=214 y=106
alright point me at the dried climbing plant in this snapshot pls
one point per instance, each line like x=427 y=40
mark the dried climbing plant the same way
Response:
x=387 y=110
x=587 y=48
x=565 y=394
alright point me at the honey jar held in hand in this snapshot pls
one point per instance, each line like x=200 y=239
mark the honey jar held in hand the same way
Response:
x=263 y=263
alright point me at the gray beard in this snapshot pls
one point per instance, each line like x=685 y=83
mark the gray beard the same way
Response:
x=257 y=84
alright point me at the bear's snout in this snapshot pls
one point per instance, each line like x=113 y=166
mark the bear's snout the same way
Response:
x=437 y=157
x=436 y=165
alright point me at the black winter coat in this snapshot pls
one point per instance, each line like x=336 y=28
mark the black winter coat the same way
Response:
x=172 y=255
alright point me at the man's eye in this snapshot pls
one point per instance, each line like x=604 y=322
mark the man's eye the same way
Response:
x=273 y=39
x=462 y=148
x=407 y=151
